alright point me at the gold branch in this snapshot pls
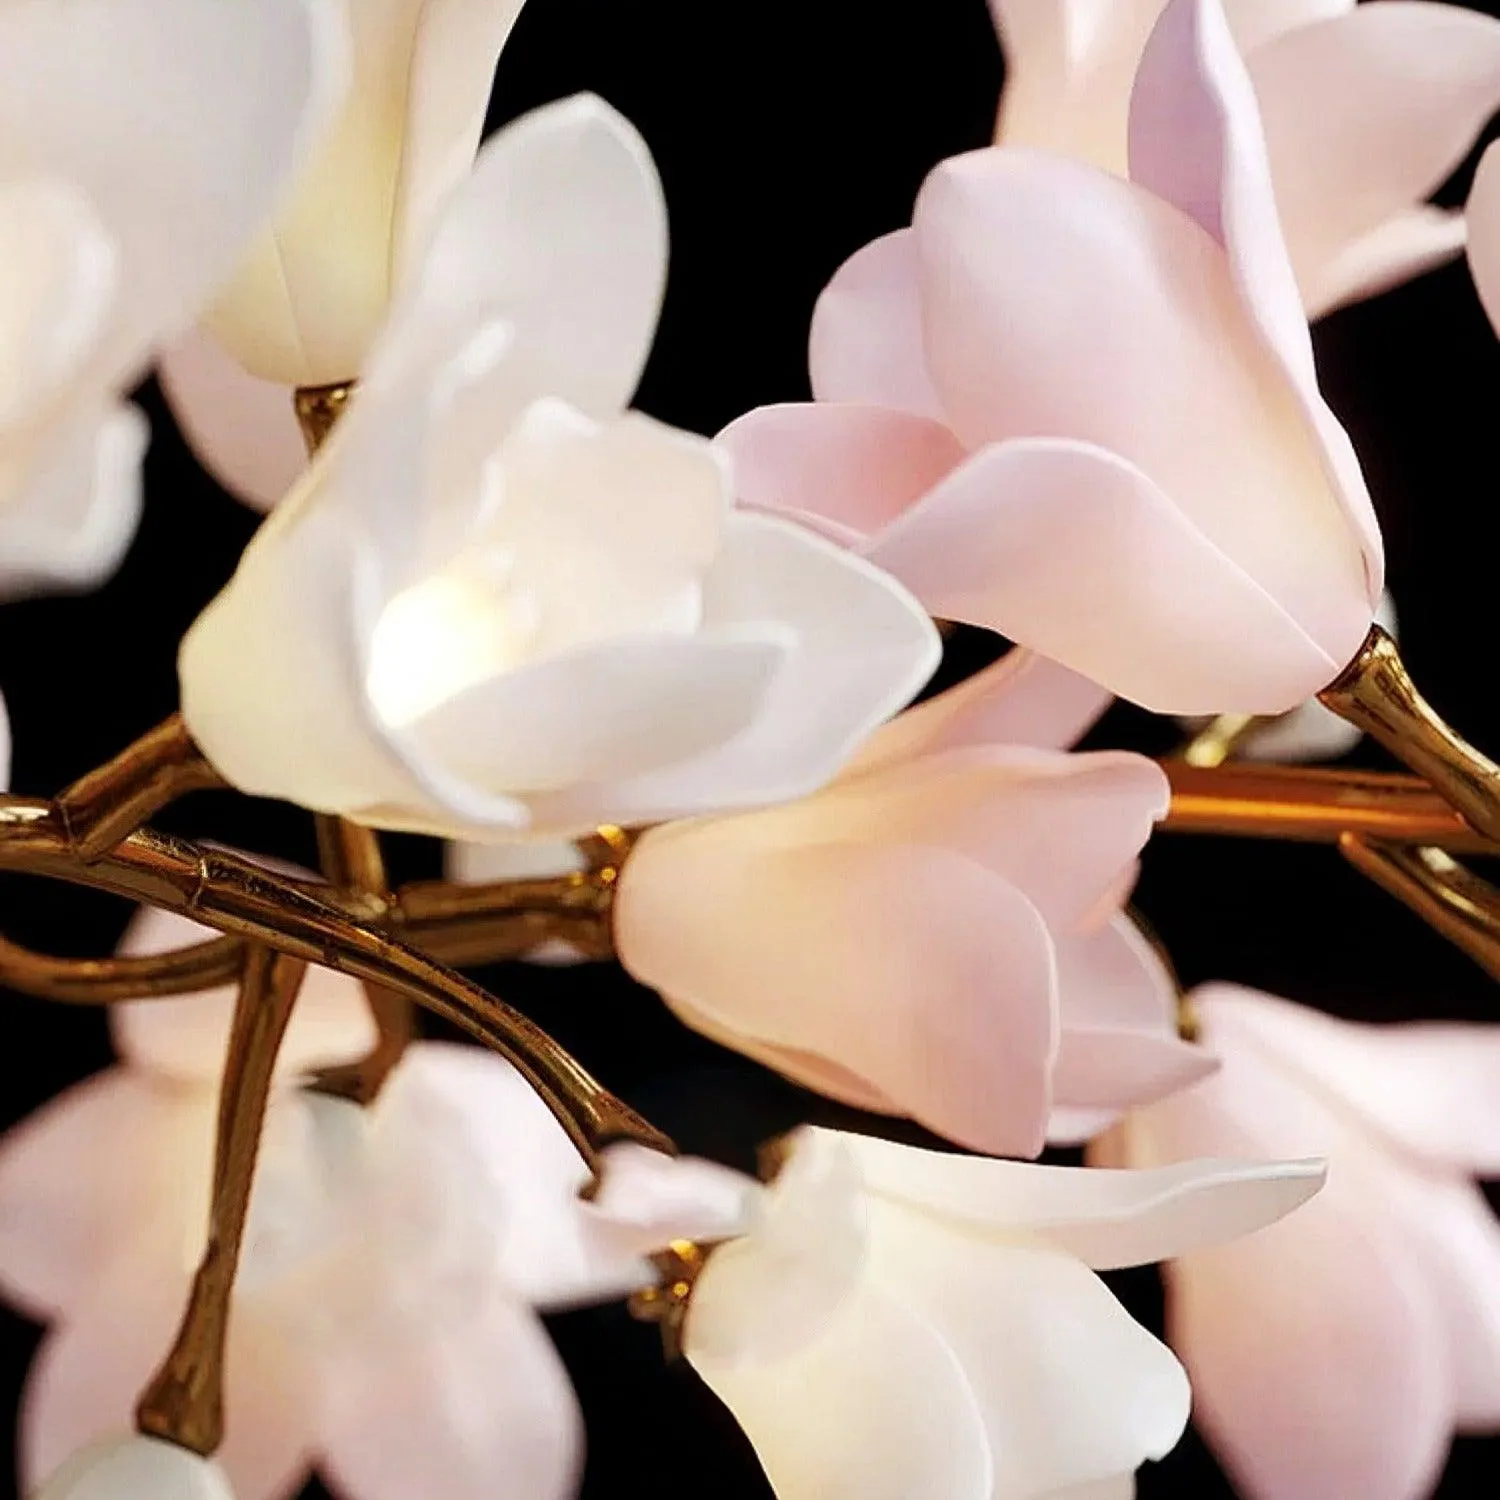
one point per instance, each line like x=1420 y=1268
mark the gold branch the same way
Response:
x=103 y=981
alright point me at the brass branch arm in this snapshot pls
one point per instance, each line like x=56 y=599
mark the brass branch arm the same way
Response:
x=293 y=917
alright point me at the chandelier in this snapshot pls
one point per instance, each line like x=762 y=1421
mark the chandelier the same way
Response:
x=668 y=701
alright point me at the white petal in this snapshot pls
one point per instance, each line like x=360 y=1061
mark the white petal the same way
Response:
x=1255 y=22
x=242 y=430
x=1119 y=1487
x=863 y=649
x=1106 y=1218
x=877 y=1408
x=1405 y=245
x=561 y=232
x=96 y=92
x=1483 y=215
x=762 y=1298
x=412 y=1409
x=136 y=1468
x=477 y=864
x=1070 y=1387
x=186 y=1038
x=4 y=747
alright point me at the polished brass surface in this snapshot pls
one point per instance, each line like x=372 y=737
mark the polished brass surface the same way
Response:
x=666 y=1304
x=99 y=809
x=184 y=1403
x=318 y=408
x=103 y=981
x=297 y=917
x=352 y=862
x=1315 y=805
x=1448 y=897
x=1220 y=738
x=1376 y=694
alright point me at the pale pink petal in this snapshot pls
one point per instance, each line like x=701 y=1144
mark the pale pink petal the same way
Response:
x=1026 y=257
x=1108 y=1218
x=242 y=430
x=1404 y=246
x=1070 y=1387
x=1023 y=699
x=1077 y=553
x=1118 y=1487
x=1431 y=1088
x=85 y=1174
x=90 y=1372
x=877 y=1408
x=913 y=967
x=1119 y=1042
x=778 y=1289
x=186 y=1037
x=1196 y=140
x=1359 y=1400
x=1483 y=215
x=1365 y=115
x=866 y=346
x=846 y=470
x=415 y=1411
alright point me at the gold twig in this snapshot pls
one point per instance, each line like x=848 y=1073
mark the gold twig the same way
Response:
x=351 y=860
x=1218 y=740
x=184 y=1403
x=1443 y=893
x=1315 y=806
x=103 y=981
x=113 y=800
x=318 y=408
x=298 y=918
x=1376 y=694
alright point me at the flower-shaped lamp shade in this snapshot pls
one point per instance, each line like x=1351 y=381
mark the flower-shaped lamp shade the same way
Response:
x=498 y=603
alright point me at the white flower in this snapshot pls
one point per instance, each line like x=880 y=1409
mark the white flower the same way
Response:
x=908 y=1325
x=136 y=1468
x=496 y=604
x=142 y=145
x=391 y=1260
x=308 y=306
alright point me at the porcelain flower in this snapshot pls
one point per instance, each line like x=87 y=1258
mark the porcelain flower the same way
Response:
x=142 y=145
x=391 y=1258
x=1388 y=1285
x=1368 y=109
x=307 y=307
x=907 y=1325
x=939 y=932
x=1083 y=411
x=499 y=603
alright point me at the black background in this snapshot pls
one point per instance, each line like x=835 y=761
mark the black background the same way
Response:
x=788 y=133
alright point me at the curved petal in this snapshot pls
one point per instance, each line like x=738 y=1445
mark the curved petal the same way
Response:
x=1073 y=551
x=912 y=967
x=1405 y=246
x=242 y=430
x=863 y=649
x=1430 y=1088
x=876 y=1409
x=1106 y=1218
x=1256 y=22
x=186 y=1038
x=1365 y=115
x=866 y=345
x=88 y=1174
x=1483 y=215
x=845 y=470
x=1025 y=257
x=97 y=93
x=1070 y=1387
x=89 y=1374
x=561 y=232
x=1023 y=699
x=136 y=1467
x=73 y=517
x=478 y=864
x=1119 y=1045
x=4 y=746
x=1117 y=1487
x=423 y=1410
x=778 y=1289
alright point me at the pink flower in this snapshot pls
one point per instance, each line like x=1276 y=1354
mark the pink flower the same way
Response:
x=393 y=1255
x=937 y=934
x=1384 y=1294
x=1484 y=233
x=1367 y=110
x=1083 y=412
